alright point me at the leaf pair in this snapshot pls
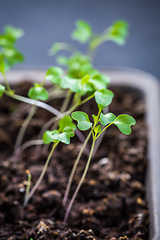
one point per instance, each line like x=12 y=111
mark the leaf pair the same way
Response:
x=63 y=134
x=123 y=121
x=53 y=136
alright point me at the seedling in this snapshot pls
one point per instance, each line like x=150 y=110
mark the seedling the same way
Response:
x=124 y=122
x=63 y=134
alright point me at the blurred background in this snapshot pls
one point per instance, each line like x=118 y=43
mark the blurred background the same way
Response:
x=49 y=21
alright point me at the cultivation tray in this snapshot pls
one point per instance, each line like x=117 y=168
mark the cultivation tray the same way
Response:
x=148 y=89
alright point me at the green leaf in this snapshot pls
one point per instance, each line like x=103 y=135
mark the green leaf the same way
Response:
x=62 y=60
x=124 y=123
x=103 y=98
x=61 y=137
x=53 y=74
x=2 y=89
x=38 y=92
x=97 y=129
x=83 y=32
x=82 y=119
x=85 y=79
x=14 y=32
x=69 y=130
x=2 y=65
x=69 y=83
x=95 y=118
x=13 y=56
x=99 y=81
x=118 y=32
x=7 y=41
x=66 y=122
x=47 y=137
x=107 y=118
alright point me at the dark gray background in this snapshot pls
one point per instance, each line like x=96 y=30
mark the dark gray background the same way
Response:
x=49 y=21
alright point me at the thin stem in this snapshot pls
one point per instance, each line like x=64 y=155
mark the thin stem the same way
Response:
x=34 y=102
x=104 y=129
x=28 y=183
x=29 y=144
x=74 y=169
x=66 y=101
x=80 y=183
x=65 y=46
x=99 y=140
x=63 y=108
x=6 y=82
x=23 y=127
x=41 y=176
x=43 y=82
x=86 y=99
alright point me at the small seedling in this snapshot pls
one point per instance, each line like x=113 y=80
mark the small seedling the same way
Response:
x=63 y=134
x=123 y=122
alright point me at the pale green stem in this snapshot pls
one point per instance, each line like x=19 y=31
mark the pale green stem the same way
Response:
x=66 y=101
x=74 y=169
x=65 y=46
x=104 y=129
x=80 y=183
x=34 y=102
x=29 y=144
x=28 y=184
x=23 y=128
x=87 y=99
x=99 y=140
x=41 y=176
x=6 y=82
x=43 y=82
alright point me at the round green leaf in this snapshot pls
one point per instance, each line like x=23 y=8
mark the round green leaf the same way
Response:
x=47 y=137
x=61 y=137
x=83 y=32
x=66 y=122
x=103 y=98
x=53 y=74
x=38 y=93
x=118 y=32
x=14 y=32
x=69 y=83
x=13 y=56
x=107 y=118
x=124 y=123
x=69 y=130
x=82 y=119
x=99 y=81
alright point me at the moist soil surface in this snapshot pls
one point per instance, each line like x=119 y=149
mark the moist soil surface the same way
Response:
x=111 y=203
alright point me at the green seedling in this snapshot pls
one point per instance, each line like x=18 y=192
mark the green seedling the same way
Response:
x=63 y=134
x=124 y=122
x=83 y=33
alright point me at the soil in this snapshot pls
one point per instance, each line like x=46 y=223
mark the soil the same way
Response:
x=111 y=203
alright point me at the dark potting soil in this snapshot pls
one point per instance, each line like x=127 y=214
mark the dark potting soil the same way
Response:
x=111 y=203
